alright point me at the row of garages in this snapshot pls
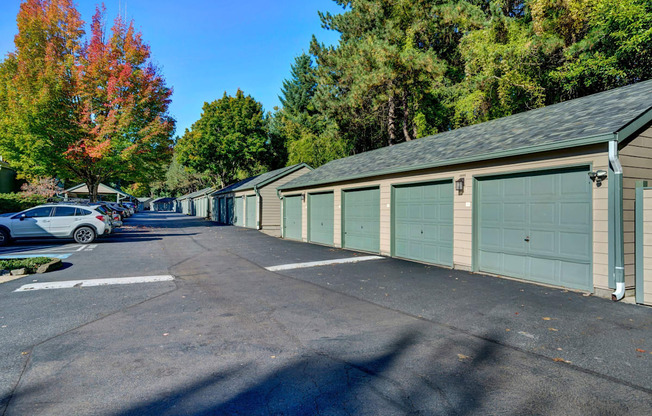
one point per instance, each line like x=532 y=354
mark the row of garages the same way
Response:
x=546 y=195
x=253 y=202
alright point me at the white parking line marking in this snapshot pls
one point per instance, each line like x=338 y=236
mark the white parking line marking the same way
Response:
x=321 y=263
x=67 y=284
x=80 y=248
x=29 y=256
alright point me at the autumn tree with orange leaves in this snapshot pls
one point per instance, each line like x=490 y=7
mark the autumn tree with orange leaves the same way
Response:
x=82 y=108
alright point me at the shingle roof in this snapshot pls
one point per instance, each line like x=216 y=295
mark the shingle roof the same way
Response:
x=261 y=179
x=580 y=121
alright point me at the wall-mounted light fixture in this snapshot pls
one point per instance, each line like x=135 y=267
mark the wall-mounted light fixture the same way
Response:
x=459 y=186
x=598 y=176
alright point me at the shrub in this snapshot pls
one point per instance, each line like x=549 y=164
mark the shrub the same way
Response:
x=30 y=264
x=16 y=202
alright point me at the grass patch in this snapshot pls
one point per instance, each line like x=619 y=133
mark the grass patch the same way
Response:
x=31 y=264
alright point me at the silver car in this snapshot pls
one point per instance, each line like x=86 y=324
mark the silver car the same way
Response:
x=83 y=223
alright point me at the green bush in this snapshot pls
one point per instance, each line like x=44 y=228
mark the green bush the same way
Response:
x=30 y=264
x=16 y=202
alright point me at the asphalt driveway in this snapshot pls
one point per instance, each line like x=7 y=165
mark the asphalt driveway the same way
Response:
x=370 y=338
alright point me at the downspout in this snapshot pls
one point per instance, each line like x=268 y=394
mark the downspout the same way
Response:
x=258 y=210
x=619 y=257
x=278 y=194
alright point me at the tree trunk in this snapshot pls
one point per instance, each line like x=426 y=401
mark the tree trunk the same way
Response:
x=391 y=121
x=93 y=186
x=406 y=117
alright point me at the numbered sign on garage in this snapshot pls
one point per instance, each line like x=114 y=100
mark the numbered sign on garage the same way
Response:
x=361 y=217
x=423 y=222
x=320 y=214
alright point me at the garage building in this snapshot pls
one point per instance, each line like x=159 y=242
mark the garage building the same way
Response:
x=545 y=195
x=254 y=202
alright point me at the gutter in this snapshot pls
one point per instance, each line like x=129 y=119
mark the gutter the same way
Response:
x=617 y=218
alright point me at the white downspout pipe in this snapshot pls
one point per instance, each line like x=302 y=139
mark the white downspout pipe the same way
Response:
x=619 y=260
x=258 y=207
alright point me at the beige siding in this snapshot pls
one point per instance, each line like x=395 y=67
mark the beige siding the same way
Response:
x=647 y=247
x=271 y=204
x=636 y=158
x=595 y=155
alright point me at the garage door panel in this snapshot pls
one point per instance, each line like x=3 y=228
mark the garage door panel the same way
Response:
x=575 y=214
x=292 y=217
x=575 y=245
x=543 y=213
x=514 y=188
x=515 y=212
x=513 y=239
x=362 y=220
x=544 y=270
x=575 y=275
x=514 y=264
x=550 y=209
x=250 y=217
x=238 y=211
x=543 y=242
x=321 y=218
x=426 y=232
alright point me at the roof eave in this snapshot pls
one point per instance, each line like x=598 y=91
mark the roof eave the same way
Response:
x=277 y=177
x=584 y=141
x=635 y=125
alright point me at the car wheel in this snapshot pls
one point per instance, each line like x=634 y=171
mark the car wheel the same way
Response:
x=84 y=235
x=4 y=238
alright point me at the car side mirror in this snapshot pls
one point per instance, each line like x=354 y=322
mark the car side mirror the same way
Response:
x=22 y=217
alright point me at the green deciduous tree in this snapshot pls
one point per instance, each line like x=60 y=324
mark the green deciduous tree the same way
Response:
x=229 y=139
x=84 y=111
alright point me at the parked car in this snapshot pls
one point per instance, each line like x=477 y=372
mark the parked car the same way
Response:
x=82 y=223
x=133 y=207
x=120 y=210
x=114 y=217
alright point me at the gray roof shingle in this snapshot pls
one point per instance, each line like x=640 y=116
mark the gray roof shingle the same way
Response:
x=253 y=181
x=560 y=125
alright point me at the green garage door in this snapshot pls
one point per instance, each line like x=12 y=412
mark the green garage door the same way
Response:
x=251 y=211
x=229 y=211
x=362 y=219
x=423 y=222
x=320 y=214
x=239 y=211
x=537 y=227
x=292 y=217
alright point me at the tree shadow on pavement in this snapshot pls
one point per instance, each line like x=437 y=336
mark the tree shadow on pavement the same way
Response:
x=321 y=383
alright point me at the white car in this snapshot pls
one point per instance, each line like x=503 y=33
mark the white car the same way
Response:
x=83 y=223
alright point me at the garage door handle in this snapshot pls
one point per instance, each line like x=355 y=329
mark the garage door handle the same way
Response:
x=421 y=231
x=527 y=239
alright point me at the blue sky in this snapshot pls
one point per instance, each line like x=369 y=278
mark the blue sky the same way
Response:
x=206 y=47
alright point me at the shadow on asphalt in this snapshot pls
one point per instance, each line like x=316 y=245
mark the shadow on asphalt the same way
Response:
x=323 y=384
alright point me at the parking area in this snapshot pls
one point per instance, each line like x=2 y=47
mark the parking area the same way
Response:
x=380 y=336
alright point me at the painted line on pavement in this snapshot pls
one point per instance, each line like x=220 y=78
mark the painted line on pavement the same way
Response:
x=29 y=256
x=68 y=284
x=80 y=248
x=321 y=263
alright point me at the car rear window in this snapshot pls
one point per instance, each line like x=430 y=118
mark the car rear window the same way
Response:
x=82 y=212
x=64 y=211
x=101 y=209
